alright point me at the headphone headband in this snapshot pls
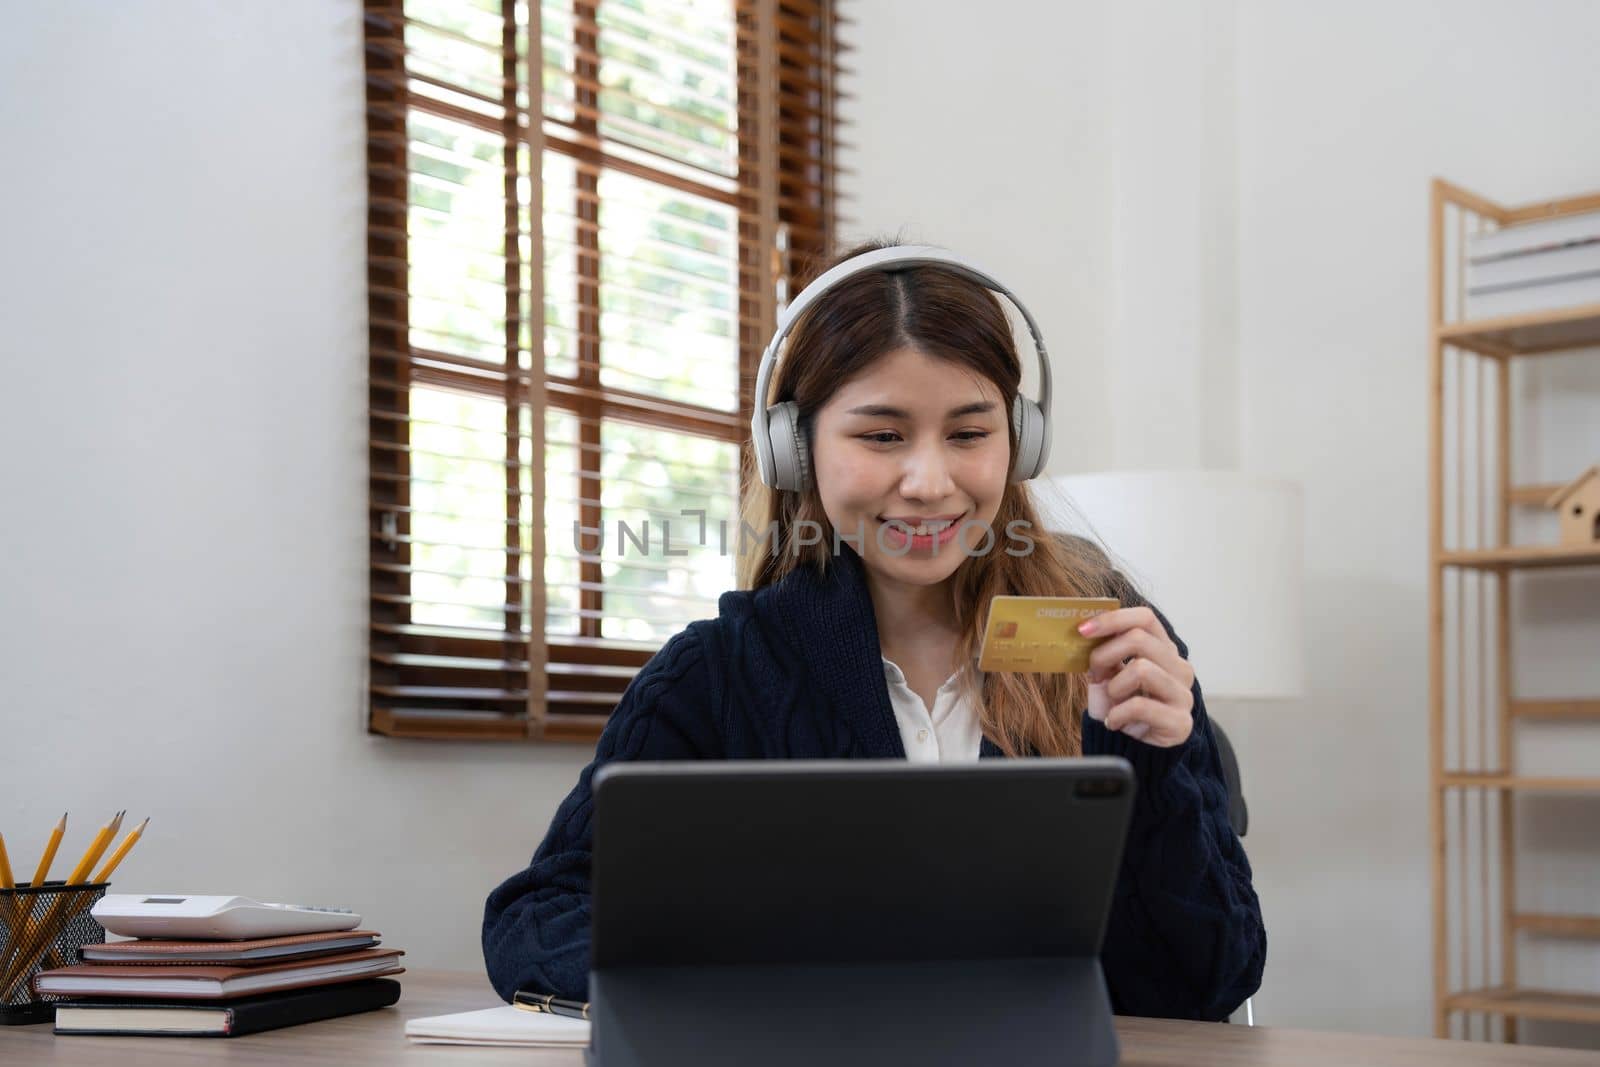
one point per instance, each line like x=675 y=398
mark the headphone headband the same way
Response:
x=894 y=258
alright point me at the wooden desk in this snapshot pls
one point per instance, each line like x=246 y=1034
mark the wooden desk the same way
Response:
x=378 y=1038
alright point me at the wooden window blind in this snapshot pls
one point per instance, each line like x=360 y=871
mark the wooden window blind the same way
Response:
x=575 y=256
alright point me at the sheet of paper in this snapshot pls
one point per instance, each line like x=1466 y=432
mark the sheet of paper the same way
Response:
x=499 y=1026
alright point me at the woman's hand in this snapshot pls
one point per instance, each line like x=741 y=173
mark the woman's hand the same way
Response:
x=1138 y=683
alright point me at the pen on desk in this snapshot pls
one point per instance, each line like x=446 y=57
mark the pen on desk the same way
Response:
x=572 y=1009
x=551 y=1004
x=532 y=1001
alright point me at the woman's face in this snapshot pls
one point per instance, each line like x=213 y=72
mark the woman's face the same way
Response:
x=921 y=441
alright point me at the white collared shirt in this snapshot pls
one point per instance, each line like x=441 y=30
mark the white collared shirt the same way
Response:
x=946 y=733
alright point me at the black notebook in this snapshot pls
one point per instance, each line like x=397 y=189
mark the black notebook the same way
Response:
x=229 y=1018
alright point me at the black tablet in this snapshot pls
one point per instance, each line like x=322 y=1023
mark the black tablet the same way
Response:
x=925 y=912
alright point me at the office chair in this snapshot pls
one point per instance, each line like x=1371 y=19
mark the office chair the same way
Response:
x=1238 y=813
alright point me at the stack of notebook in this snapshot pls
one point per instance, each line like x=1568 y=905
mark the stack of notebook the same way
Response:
x=1534 y=266
x=221 y=988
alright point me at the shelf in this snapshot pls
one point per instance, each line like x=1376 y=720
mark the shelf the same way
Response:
x=1528 y=1004
x=1520 y=783
x=1522 y=557
x=1556 y=710
x=1558 y=925
x=1533 y=496
x=1524 y=335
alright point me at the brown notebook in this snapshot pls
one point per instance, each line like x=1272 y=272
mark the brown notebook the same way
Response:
x=214 y=982
x=251 y=953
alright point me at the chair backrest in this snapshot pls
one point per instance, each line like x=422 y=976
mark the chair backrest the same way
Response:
x=1238 y=817
x=1238 y=814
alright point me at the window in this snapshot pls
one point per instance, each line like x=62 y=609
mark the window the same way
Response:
x=562 y=358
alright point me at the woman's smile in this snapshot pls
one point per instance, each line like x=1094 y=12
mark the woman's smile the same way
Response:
x=921 y=533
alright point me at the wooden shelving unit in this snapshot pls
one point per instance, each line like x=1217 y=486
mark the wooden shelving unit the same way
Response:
x=1528 y=1004
x=1527 y=335
x=1520 y=784
x=1559 y=925
x=1473 y=783
x=1521 y=557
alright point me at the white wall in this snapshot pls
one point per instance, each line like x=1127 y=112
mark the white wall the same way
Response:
x=1240 y=190
x=182 y=437
x=1003 y=155
x=184 y=352
x=1345 y=114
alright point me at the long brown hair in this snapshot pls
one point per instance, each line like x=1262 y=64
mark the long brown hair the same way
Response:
x=946 y=316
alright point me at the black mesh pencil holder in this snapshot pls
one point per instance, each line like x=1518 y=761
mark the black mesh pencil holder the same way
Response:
x=41 y=929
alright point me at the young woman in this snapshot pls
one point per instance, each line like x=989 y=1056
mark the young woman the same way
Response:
x=904 y=380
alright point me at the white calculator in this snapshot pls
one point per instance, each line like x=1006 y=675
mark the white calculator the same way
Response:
x=214 y=918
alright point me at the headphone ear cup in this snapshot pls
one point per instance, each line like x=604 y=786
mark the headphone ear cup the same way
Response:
x=791 y=453
x=802 y=454
x=1033 y=439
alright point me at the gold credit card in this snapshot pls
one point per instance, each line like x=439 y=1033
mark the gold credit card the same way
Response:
x=1039 y=634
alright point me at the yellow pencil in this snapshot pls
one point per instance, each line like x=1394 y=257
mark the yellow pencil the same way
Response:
x=8 y=882
x=49 y=856
x=97 y=848
x=36 y=938
x=79 y=873
x=122 y=850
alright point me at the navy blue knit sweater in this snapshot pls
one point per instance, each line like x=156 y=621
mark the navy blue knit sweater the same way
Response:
x=794 y=671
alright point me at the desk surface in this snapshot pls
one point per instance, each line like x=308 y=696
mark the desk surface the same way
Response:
x=378 y=1038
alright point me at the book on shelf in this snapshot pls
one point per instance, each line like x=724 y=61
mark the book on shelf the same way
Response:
x=1527 y=299
x=1523 y=238
x=1536 y=268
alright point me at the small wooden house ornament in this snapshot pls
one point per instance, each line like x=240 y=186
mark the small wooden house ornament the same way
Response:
x=1578 y=503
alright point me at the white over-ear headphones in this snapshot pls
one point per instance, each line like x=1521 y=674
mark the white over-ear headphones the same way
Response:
x=782 y=453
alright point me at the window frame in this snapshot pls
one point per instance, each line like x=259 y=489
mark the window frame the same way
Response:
x=555 y=687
